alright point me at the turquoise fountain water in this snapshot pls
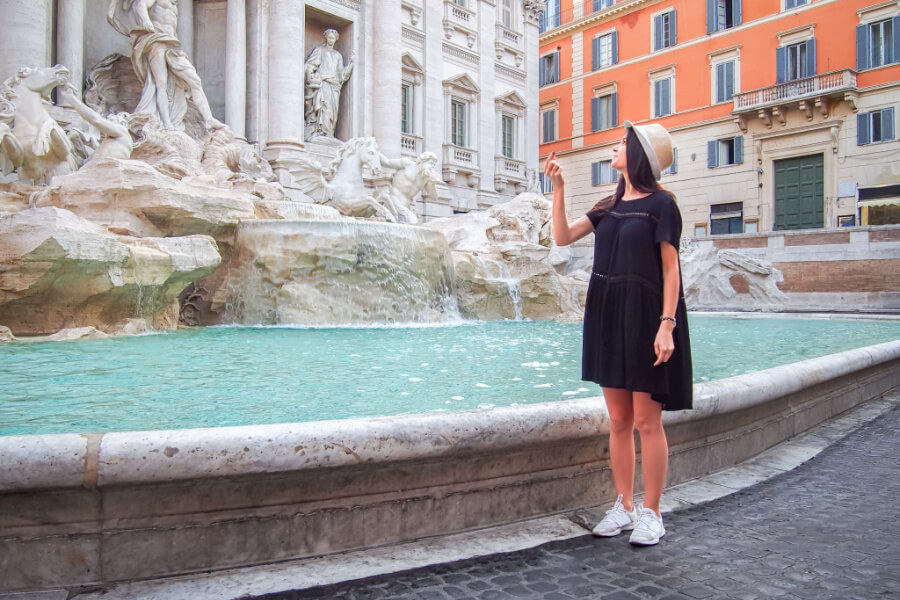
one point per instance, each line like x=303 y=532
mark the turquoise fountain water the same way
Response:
x=240 y=375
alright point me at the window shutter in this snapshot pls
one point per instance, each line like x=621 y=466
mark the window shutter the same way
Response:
x=657 y=32
x=736 y=12
x=595 y=173
x=712 y=150
x=542 y=70
x=739 y=150
x=666 y=103
x=862 y=47
x=556 y=66
x=895 y=32
x=781 y=59
x=887 y=124
x=614 y=99
x=862 y=129
x=553 y=124
x=595 y=113
x=711 y=17
x=720 y=82
x=810 y=57
x=674 y=168
x=615 y=46
x=729 y=80
x=673 y=28
x=595 y=54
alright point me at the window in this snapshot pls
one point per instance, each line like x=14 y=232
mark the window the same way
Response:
x=662 y=97
x=722 y=14
x=793 y=3
x=604 y=112
x=700 y=230
x=878 y=44
x=725 y=81
x=508 y=134
x=796 y=61
x=664 y=28
x=605 y=50
x=728 y=151
x=602 y=173
x=460 y=3
x=673 y=168
x=548 y=126
x=506 y=13
x=550 y=16
x=546 y=183
x=549 y=72
x=876 y=126
x=406 y=108
x=601 y=4
x=726 y=218
x=458 y=123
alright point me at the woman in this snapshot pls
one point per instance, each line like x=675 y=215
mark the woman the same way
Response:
x=636 y=343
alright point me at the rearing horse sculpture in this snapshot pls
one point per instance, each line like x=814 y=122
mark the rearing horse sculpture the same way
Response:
x=31 y=141
x=341 y=184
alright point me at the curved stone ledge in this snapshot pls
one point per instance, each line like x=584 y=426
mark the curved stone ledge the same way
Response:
x=125 y=506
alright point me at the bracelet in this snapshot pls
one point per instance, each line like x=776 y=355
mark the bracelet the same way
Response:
x=661 y=319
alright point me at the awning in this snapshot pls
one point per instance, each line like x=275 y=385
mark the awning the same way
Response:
x=880 y=202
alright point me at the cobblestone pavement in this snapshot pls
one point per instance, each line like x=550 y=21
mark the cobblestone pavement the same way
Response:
x=828 y=529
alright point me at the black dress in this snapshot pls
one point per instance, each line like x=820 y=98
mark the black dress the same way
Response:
x=624 y=302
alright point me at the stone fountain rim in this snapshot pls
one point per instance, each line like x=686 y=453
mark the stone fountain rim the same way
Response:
x=123 y=458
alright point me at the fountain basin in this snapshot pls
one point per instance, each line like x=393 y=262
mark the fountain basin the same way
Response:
x=125 y=506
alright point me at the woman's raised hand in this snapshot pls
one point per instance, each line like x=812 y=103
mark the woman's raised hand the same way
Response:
x=553 y=170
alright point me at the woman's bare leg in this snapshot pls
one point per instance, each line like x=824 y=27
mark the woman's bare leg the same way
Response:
x=654 y=447
x=621 y=442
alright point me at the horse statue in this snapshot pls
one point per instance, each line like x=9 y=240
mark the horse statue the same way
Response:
x=341 y=183
x=31 y=141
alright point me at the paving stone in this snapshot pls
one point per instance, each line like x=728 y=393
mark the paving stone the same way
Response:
x=828 y=529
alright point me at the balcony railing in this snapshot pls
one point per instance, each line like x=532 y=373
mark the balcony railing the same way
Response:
x=455 y=156
x=509 y=168
x=508 y=36
x=457 y=13
x=410 y=145
x=835 y=83
x=550 y=21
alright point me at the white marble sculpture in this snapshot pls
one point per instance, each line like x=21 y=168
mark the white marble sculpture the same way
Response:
x=31 y=141
x=341 y=184
x=325 y=75
x=410 y=178
x=116 y=142
x=159 y=61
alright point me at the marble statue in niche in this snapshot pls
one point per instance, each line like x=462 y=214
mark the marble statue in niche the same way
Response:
x=160 y=63
x=325 y=73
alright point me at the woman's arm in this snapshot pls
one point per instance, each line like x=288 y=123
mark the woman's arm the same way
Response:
x=563 y=233
x=664 y=346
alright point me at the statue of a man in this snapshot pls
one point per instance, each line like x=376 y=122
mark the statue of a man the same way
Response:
x=410 y=178
x=159 y=61
x=325 y=75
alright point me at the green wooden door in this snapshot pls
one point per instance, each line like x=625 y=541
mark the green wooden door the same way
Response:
x=800 y=192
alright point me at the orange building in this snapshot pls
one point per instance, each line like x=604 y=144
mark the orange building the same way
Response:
x=782 y=112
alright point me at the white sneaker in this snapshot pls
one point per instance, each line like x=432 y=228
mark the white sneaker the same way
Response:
x=648 y=528
x=616 y=521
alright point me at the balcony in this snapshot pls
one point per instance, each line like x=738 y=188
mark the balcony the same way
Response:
x=458 y=18
x=508 y=171
x=809 y=94
x=410 y=145
x=458 y=160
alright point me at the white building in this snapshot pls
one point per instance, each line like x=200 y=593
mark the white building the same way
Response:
x=452 y=77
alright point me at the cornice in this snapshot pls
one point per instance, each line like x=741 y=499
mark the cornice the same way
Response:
x=615 y=10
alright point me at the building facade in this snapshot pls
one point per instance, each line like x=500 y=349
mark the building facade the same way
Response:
x=783 y=113
x=443 y=76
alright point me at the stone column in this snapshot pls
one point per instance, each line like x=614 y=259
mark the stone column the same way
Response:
x=435 y=119
x=388 y=76
x=185 y=29
x=25 y=30
x=236 y=67
x=486 y=107
x=70 y=39
x=285 y=66
x=532 y=91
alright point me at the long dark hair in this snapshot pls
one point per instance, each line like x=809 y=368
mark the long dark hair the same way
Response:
x=639 y=172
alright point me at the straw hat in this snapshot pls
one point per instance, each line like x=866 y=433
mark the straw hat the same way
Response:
x=657 y=145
